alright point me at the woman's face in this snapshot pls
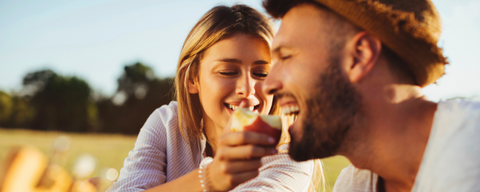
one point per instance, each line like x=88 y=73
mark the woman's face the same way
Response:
x=231 y=70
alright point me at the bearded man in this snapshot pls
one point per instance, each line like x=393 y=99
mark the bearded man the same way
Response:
x=352 y=71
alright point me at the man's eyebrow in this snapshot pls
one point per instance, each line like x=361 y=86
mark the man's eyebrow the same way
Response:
x=279 y=49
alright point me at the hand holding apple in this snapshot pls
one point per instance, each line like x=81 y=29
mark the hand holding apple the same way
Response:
x=246 y=120
x=247 y=138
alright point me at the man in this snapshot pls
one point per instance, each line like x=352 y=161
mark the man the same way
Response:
x=352 y=71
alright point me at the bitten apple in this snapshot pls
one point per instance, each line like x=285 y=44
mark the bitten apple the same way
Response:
x=246 y=120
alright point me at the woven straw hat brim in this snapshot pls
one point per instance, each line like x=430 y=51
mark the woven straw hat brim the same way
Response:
x=399 y=31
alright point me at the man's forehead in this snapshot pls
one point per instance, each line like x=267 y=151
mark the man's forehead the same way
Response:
x=303 y=9
x=300 y=23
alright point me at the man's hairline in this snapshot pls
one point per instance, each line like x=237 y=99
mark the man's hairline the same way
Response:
x=318 y=7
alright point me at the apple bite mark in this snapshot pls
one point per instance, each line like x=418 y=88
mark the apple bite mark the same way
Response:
x=245 y=120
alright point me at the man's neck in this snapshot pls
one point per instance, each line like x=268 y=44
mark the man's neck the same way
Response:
x=395 y=134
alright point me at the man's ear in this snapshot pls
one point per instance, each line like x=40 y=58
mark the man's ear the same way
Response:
x=193 y=86
x=364 y=51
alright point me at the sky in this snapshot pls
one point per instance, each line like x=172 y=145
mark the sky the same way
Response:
x=95 y=39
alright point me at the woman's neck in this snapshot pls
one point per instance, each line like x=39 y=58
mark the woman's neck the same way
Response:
x=212 y=133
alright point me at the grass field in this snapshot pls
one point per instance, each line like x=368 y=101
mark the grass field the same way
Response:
x=109 y=149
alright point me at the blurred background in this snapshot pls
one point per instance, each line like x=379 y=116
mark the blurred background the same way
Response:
x=94 y=70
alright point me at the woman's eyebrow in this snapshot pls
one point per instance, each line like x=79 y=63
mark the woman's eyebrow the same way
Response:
x=238 y=61
x=229 y=60
x=261 y=62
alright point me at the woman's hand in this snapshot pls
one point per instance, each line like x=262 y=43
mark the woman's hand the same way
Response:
x=238 y=157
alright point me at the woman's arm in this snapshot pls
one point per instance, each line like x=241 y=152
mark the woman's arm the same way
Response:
x=145 y=166
x=280 y=173
x=238 y=159
x=189 y=182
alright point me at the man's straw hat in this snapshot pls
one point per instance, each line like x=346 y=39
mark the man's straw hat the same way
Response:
x=410 y=28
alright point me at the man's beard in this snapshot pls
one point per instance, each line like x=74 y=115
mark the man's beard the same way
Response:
x=332 y=110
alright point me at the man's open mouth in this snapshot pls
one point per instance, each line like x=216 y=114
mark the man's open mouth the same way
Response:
x=291 y=109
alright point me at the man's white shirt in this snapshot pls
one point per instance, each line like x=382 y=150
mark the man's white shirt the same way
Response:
x=451 y=162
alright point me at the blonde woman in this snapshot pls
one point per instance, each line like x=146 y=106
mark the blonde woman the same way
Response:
x=222 y=65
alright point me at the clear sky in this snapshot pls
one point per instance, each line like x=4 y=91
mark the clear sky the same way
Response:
x=94 y=39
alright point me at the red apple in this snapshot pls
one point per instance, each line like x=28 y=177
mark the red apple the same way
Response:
x=246 y=120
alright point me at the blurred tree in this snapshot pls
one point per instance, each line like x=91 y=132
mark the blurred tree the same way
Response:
x=135 y=79
x=15 y=111
x=61 y=102
x=6 y=107
x=49 y=101
x=23 y=113
x=138 y=94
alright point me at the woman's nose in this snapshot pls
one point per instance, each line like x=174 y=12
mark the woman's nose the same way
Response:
x=245 y=85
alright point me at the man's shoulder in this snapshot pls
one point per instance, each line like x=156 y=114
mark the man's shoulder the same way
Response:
x=451 y=158
x=456 y=105
x=354 y=179
x=454 y=115
x=456 y=126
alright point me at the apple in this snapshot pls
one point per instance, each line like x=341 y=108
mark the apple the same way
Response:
x=246 y=120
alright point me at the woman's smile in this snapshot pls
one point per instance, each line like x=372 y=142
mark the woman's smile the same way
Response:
x=232 y=106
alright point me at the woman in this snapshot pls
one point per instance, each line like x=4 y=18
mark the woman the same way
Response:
x=222 y=65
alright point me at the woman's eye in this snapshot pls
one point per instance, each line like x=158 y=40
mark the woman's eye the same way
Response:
x=262 y=74
x=228 y=73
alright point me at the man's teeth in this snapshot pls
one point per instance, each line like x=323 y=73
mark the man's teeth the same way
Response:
x=233 y=107
x=289 y=110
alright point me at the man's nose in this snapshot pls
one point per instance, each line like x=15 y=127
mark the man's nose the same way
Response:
x=272 y=83
x=246 y=85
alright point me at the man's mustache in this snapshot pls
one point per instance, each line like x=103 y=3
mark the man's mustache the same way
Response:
x=284 y=94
